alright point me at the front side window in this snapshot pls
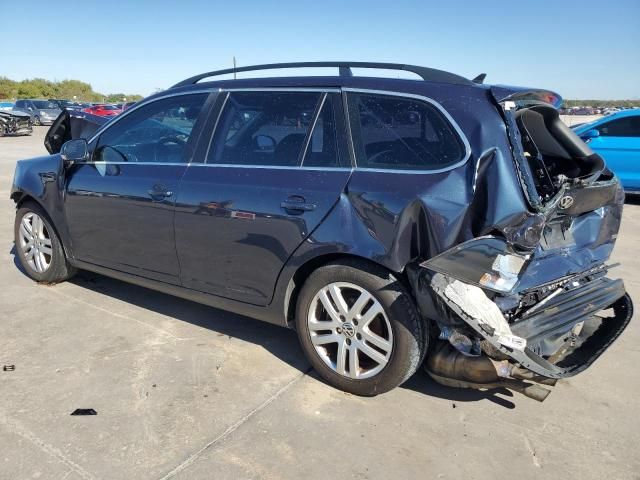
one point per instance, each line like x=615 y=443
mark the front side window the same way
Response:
x=155 y=133
x=621 y=127
x=398 y=133
x=263 y=128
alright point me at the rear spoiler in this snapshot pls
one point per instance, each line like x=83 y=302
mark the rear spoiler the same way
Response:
x=525 y=97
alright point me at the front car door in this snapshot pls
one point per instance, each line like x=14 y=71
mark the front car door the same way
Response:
x=619 y=144
x=274 y=169
x=120 y=205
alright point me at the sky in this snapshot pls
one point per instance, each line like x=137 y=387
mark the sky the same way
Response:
x=586 y=49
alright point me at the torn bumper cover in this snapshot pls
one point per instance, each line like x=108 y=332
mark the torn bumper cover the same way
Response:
x=560 y=338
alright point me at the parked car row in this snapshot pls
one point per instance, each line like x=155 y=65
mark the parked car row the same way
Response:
x=592 y=110
x=18 y=118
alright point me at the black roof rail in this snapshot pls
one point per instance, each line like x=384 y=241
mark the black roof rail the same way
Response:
x=428 y=74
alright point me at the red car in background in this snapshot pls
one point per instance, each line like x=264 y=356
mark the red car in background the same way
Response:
x=103 y=110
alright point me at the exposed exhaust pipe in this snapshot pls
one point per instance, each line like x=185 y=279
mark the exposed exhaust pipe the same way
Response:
x=449 y=367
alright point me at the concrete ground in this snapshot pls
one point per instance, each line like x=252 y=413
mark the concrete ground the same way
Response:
x=189 y=392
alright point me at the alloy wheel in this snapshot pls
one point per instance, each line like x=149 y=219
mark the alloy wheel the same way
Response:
x=35 y=242
x=350 y=330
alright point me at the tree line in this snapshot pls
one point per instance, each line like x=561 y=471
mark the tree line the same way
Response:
x=65 y=89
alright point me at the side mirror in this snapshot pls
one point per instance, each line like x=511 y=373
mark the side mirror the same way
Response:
x=589 y=134
x=74 y=151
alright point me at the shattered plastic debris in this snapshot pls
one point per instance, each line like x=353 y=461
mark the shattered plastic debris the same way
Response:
x=473 y=302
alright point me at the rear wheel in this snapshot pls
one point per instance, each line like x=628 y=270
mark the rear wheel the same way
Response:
x=359 y=328
x=38 y=247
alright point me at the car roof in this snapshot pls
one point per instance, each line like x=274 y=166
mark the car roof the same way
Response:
x=322 y=82
x=622 y=113
x=432 y=82
x=345 y=77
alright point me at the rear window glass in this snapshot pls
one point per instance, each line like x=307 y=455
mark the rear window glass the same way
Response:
x=263 y=128
x=398 y=133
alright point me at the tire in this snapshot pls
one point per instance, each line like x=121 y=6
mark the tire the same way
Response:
x=387 y=335
x=36 y=121
x=45 y=262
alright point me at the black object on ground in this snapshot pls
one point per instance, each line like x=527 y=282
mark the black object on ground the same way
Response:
x=84 y=411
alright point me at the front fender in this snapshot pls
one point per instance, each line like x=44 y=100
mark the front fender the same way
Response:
x=42 y=179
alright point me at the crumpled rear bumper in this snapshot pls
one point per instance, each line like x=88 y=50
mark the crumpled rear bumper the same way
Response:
x=567 y=321
x=605 y=296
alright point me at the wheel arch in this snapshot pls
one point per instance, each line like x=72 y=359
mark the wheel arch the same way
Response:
x=20 y=198
x=307 y=268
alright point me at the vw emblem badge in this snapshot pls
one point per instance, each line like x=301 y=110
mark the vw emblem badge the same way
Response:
x=566 y=202
x=348 y=329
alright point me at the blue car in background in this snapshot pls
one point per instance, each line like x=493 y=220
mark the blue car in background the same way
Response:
x=616 y=138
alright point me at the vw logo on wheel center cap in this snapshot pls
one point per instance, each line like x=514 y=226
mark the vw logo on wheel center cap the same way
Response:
x=348 y=329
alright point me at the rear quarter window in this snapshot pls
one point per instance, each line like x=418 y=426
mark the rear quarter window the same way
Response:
x=399 y=133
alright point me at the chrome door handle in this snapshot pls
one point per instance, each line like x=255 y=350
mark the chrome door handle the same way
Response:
x=297 y=204
x=159 y=194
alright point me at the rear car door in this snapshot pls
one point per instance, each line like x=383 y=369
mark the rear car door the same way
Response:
x=275 y=166
x=619 y=145
x=120 y=205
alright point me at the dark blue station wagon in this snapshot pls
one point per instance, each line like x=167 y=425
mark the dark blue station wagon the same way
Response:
x=386 y=220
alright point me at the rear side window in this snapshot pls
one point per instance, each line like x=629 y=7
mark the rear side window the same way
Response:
x=398 y=133
x=622 y=127
x=263 y=128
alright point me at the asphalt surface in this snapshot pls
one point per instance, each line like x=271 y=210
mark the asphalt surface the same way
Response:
x=189 y=392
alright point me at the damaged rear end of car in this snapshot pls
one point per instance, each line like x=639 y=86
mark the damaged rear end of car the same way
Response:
x=524 y=298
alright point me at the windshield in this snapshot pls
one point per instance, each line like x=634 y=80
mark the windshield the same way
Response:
x=109 y=107
x=44 y=104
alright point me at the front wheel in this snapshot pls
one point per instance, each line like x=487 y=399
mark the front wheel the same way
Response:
x=38 y=247
x=36 y=121
x=359 y=328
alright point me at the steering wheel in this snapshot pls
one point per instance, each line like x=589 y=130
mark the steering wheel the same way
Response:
x=376 y=157
x=164 y=142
